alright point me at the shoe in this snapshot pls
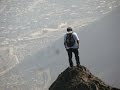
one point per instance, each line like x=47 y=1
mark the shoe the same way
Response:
x=71 y=66
x=78 y=65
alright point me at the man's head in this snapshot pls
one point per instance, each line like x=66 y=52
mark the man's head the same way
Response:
x=69 y=30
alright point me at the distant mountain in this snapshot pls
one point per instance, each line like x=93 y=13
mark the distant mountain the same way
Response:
x=79 y=78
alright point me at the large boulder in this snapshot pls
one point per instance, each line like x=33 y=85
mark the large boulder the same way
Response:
x=79 y=78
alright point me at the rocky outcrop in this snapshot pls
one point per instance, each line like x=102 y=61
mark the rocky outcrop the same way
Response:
x=79 y=78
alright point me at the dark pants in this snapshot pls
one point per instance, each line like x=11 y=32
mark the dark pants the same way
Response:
x=76 y=52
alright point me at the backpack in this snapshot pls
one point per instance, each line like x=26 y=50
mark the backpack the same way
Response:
x=70 y=41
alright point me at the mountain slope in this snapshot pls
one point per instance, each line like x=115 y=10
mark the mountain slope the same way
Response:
x=79 y=78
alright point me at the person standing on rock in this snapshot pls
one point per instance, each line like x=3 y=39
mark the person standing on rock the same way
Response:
x=71 y=43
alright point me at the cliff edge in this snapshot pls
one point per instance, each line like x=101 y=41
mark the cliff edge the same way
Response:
x=79 y=78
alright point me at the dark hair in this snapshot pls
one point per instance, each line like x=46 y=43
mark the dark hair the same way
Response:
x=69 y=29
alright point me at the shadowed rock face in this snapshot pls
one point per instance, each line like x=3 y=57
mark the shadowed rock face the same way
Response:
x=79 y=78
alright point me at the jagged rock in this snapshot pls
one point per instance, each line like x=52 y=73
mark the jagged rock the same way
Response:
x=79 y=78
